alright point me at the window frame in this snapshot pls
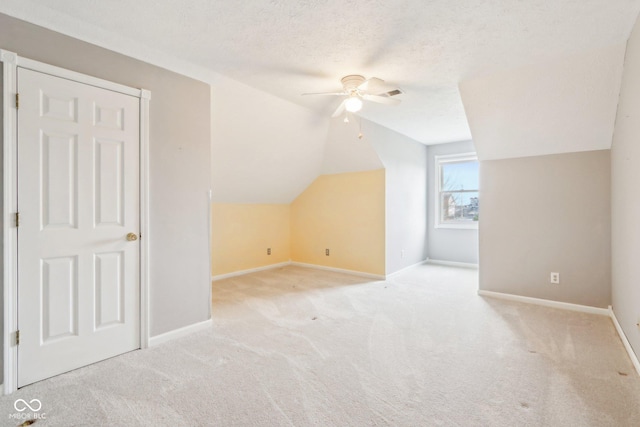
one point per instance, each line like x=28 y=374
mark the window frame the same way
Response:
x=439 y=160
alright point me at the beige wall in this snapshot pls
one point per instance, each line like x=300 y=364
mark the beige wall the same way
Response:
x=180 y=165
x=241 y=234
x=346 y=214
x=625 y=199
x=341 y=212
x=547 y=214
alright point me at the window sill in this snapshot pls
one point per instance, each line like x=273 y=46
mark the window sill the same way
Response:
x=473 y=226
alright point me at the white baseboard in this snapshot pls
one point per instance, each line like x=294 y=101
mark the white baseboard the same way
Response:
x=546 y=303
x=625 y=341
x=181 y=332
x=251 y=270
x=451 y=263
x=406 y=268
x=341 y=270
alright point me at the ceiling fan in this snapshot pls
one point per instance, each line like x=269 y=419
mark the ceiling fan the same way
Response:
x=357 y=89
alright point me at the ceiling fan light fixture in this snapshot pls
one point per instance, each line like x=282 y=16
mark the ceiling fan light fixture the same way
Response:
x=356 y=89
x=353 y=104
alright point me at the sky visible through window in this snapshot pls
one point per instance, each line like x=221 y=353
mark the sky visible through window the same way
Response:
x=458 y=177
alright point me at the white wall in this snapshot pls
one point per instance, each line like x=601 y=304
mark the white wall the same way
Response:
x=264 y=149
x=405 y=162
x=446 y=244
x=563 y=106
x=625 y=203
x=345 y=152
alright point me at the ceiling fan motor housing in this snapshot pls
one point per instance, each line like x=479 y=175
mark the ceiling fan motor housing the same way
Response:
x=352 y=81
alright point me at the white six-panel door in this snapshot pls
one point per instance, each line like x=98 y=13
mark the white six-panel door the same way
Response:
x=78 y=198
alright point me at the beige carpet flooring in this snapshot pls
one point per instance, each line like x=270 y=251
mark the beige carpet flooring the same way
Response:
x=304 y=347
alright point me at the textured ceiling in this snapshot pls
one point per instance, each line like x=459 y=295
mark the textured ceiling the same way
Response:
x=288 y=47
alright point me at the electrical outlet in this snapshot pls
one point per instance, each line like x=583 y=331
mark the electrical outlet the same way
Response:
x=402 y=253
x=326 y=252
x=555 y=278
x=268 y=251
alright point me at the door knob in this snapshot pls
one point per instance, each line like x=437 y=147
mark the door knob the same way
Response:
x=132 y=237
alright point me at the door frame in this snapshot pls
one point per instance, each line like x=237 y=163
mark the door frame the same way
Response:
x=10 y=63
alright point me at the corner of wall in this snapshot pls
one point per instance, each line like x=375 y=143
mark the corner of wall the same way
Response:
x=344 y=214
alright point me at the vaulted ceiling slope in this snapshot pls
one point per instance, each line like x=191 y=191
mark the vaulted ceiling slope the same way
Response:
x=264 y=149
x=288 y=47
x=563 y=105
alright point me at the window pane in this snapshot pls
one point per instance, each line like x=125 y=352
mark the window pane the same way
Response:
x=459 y=207
x=447 y=207
x=460 y=176
x=458 y=194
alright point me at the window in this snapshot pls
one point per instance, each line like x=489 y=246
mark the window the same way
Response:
x=457 y=197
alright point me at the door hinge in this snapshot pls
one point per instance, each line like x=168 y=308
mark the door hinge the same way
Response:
x=17 y=101
x=18 y=337
x=17 y=219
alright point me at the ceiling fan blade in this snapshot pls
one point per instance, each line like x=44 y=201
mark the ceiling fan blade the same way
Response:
x=381 y=99
x=327 y=93
x=376 y=86
x=339 y=110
